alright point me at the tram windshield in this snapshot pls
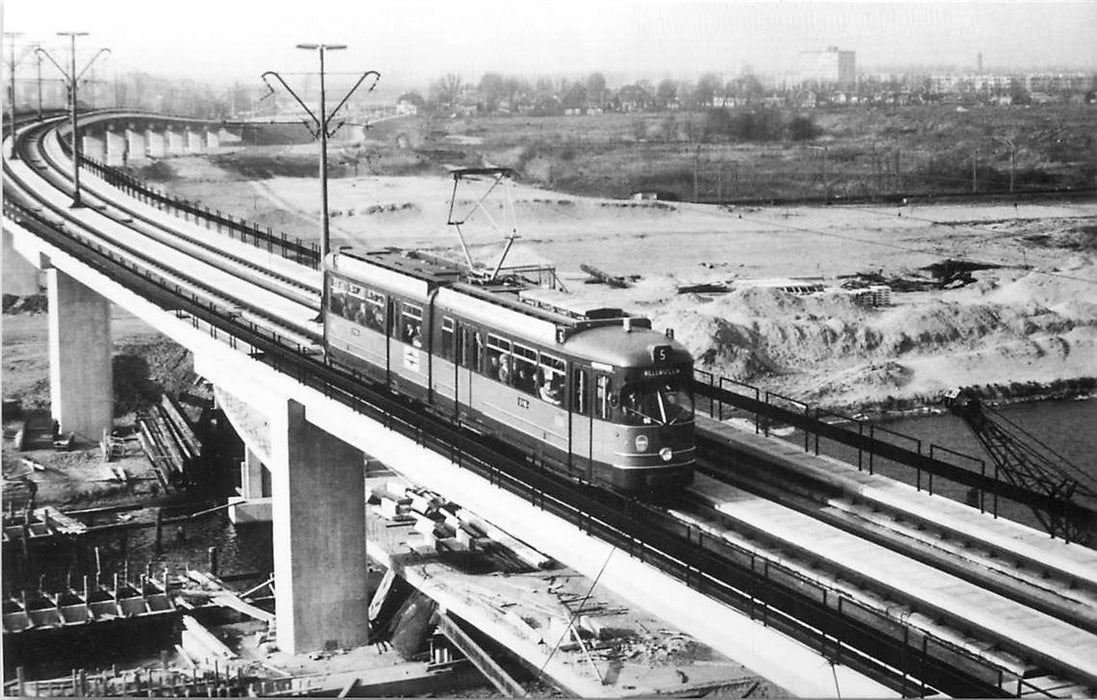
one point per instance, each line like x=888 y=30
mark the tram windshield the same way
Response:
x=661 y=403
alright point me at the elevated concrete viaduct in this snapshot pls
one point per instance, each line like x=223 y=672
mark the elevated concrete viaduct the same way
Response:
x=309 y=456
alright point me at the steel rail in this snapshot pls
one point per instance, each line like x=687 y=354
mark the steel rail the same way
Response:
x=210 y=253
x=642 y=530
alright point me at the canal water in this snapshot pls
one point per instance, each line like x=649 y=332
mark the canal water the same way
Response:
x=1068 y=427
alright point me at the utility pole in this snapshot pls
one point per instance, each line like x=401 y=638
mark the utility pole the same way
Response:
x=38 y=63
x=1012 y=151
x=10 y=38
x=320 y=128
x=73 y=79
x=974 y=164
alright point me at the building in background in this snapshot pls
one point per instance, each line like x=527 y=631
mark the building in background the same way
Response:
x=830 y=67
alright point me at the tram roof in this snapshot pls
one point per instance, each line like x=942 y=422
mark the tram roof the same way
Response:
x=550 y=305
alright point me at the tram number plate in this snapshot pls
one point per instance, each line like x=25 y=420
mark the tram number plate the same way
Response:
x=523 y=402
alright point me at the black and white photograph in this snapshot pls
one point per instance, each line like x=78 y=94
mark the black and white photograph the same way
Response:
x=617 y=348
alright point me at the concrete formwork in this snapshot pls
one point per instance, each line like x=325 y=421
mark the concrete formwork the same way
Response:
x=253 y=505
x=81 y=380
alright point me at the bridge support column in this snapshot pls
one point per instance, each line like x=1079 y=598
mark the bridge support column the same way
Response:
x=194 y=142
x=319 y=535
x=174 y=142
x=135 y=147
x=19 y=276
x=253 y=505
x=156 y=145
x=81 y=381
x=116 y=149
x=213 y=141
x=93 y=147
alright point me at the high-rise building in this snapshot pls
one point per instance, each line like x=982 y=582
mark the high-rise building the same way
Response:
x=832 y=67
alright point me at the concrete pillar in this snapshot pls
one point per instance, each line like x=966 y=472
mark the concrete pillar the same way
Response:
x=156 y=146
x=81 y=382
x=93 y=147
x=135 y=147
x=19 y=276
x=116 y=149
x=194 y=141
x=253 y=505
x=319 y=536
x=213 y=141
x=174 y=141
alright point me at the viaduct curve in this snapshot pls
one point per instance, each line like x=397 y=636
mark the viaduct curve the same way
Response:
x=311 y=439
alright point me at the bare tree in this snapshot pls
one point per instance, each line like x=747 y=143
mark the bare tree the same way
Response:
x=447 y=88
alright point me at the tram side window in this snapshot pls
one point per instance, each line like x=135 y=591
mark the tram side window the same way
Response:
x=448 y=327
x=550 y=377
x=375 y=311
x=579 y=392
x=354 y=307
x=411 y=328
x=601 y=399
x=498 y=353
x=337 y=296
x=525 y=369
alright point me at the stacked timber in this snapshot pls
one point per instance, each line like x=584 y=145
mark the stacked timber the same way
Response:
x=169 y=442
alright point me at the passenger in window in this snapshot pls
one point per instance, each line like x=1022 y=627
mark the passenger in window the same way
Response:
x=552 y=391
x=504 y=369
x=416 y=337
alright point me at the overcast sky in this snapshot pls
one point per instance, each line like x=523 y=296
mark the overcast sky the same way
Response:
x=409 y=40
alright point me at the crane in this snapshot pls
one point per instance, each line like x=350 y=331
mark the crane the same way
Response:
x=1025 y=461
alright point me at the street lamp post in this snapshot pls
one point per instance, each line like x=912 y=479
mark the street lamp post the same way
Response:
x=73 y=79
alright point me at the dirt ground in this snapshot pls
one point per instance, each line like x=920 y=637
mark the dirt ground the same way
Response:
x=1025 y=326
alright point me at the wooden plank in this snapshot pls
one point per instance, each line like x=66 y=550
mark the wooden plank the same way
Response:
x=479 y=658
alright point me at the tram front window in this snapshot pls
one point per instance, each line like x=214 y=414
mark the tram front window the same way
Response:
x=662 y=404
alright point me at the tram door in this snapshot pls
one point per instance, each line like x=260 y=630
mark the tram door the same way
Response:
x=467 y=358
x=581 y=417
x=391 y=321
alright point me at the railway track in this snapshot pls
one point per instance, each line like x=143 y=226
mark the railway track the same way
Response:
x=952 y=594
x=249 y=291
x=915 y=647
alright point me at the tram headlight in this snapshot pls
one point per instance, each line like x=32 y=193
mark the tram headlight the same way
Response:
x=641 y=443
x=667 y=454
